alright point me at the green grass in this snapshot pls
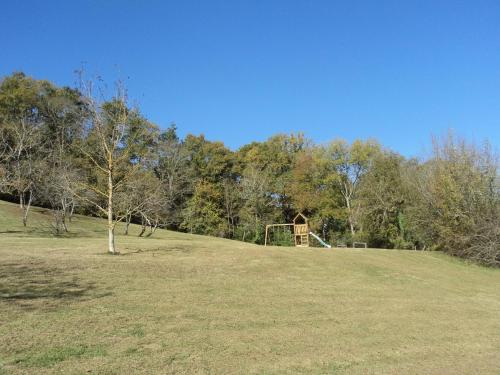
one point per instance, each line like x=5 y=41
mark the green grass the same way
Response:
x=54 y=355
x=179 y=303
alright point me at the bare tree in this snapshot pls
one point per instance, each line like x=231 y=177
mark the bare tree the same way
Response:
x=21 y=141
x=56 y=191
x=153 y=213
x=140 y=193
x=114 y=144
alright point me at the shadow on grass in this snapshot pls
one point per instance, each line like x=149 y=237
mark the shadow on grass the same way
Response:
x=23 y=283
x=159 y=250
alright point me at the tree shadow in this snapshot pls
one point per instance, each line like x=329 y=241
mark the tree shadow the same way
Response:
x=158 y=251
x=35 y=285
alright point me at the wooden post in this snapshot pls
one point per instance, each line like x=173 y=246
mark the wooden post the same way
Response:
x=265 y=239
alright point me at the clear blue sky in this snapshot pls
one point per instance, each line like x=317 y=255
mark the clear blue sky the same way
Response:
x=239 y=71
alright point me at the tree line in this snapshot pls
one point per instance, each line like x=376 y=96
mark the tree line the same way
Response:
x=74 y=150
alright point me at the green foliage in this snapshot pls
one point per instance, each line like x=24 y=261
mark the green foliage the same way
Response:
x=456 y=201
x=204 y=213
x=209 y=161
x=382 y=201
x=59 y=147
x=280 y=236
x=19 y=97
x=137 y=331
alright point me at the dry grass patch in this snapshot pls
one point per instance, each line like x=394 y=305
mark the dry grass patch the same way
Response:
x=179 y=303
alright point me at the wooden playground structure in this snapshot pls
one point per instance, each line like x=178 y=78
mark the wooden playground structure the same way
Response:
x=301 y=231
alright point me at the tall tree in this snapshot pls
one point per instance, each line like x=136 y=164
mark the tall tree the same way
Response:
x=258 y=204
x=382 y=199
x=169 y=160
x=20 y=132
x=204 y=213
x=64 y=114
x=116 y=140
x=276 y=157
x=455 y=205
x=345 y=165
x=209 y=164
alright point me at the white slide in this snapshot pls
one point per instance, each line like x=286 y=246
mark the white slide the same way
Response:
x=320 y=240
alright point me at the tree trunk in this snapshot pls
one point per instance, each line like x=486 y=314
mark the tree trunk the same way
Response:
x=111 y=240
x=64 y=222
x=25 y=206
x=70 y=216
x=154 y=227
x=111 y=227
x=128 y=218
x=64 y=212
x=21 y=206
x=143 y=226
x=349 y=215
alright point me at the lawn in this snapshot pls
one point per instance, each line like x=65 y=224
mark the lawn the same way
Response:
x=180 y=303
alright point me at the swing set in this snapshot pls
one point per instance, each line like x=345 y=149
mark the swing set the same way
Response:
x=299 y=229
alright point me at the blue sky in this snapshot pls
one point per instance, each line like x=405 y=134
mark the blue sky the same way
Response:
x=239 y=71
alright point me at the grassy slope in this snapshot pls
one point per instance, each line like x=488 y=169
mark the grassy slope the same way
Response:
x=178 y=303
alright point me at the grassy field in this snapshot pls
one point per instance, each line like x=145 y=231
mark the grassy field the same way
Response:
x=179 y=303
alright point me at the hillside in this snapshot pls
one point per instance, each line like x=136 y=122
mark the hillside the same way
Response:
x=180 y=303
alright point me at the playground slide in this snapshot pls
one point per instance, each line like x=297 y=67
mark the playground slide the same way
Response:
x=320 y=240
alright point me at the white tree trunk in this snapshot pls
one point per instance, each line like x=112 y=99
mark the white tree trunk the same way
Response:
x=111 y=226
x=349 y=215
x=25 y=206
x=111 y=239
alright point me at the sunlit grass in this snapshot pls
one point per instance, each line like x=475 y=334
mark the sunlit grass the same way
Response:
x=179 y=303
